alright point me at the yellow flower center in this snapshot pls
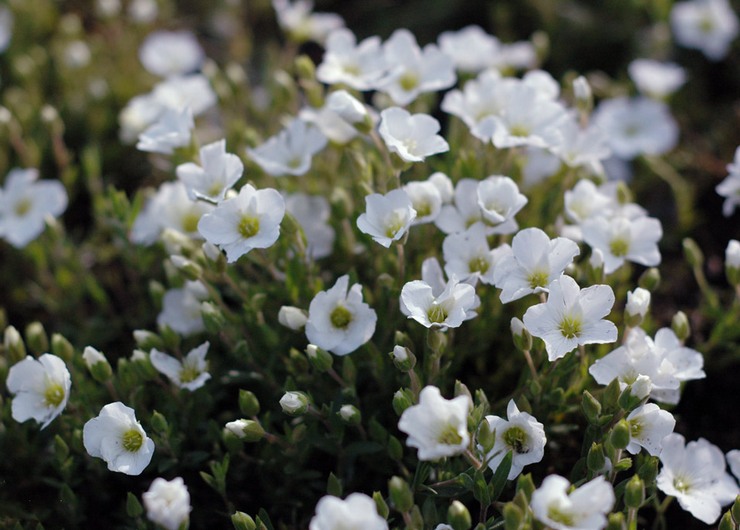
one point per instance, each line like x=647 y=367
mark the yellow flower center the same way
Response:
x=519 y=130
x=537 y=279
x=409 y=81
x=516 y=439
x=189 y=373
x=571 y=327
x=636 y=427
x=190 y=222
x=619 y=246
x=478 y=264
x=22 y=207
x=449 y=436
x=132 y=440
x=559 y=516
x=54 y=395
x=393 y=225
x=423 y=208
x=437 y=314
x=681 y=484
x=340 y=317
x=249 y=226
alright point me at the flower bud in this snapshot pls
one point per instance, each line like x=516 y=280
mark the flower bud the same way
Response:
x=242 y=521
x=522 y=337
x=583 y=95
x=294 y=403
x=616 y=522
x=189 y=269
x=403 y=358
x=380 y=505
x=596 y=263
x=525 y=484
x=591 y=407
x=159 y=422
x=319 y=358
x=595 y=459
x=649 y=470
x=650 y=279
x=486 y=437
x=680 y=326
x=458 y=516
x=692 y=252
x=638 y=302
x=624 y=195
x=36 y=338
x=726 y=522
x=61 y=347
x=395 y=449
x=292 y=317
x=350 y=110
x=634 y=493
x=635 y=393
x=620 y=435
x=402 y=399
x=249 y=405
x=97 y=364
x=14 y=344
x=400 y=494
x=350 y=414
x=247 y=430
x=513 y=516
x=735 y=510
x=146 y=340
x=732 y=262
x=213 y=318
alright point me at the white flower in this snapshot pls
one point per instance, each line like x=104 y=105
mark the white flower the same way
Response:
x=25 y=204
x=706 y=25
x=436 y=426
x=469 y=258
x=534 y=262
x=426 y=199
x=348 y=107
x=290 y=151
x=413 y=70
x=448 y=309
x=649 y=425
x=623 y=239
x=695 y=474
x=579 y=147
x=500 y=200
x=572 y=317
x=167 y=503
x=638 y=302
x=193 y=90
x=249 y=220
x=636 y=126
x=587 y=200
x=387 y=217
x=471 y=48
x=41 y=388
x=465 y=212
x=732 y=254
x=170 y=131
x=479 y=101
x=292 y=317
x=168 y=53
x=297 y=19
x=181 y=308
x=356 y=512
x=6 y=27
x=358 y=66
x=143 y=11
x=656 y=79
x=584 y=508
x=521 y=434
x=116 y=437
x=331 y=124
x=730 y=187
x=733 y=460
x=218 y=172
x=412 y=137
x=190 y=373
x=312 y=212
x=338 y=320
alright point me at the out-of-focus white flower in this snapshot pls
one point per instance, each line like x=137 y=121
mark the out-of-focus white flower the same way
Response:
x=348 y=107
x=387 y=217
x=436 y=426
x=218 y=172
x=656 y=79
x=521 y=434
x=167 y=503
x=338 y=320
x=479 y=101
x=331 y=124
x=41 y=387
x=448 y=309
x=301 y=23
x=636 y=126
x=733 y=460
x=500 y=200
x=443 y=183
x=249 y=220
x=358 y=66
x=190 y=373
x=623 y=239
x=729 y=188
x=732 y=255
x=6 y=27
x=584 y=508
x=357 y=511
x=471 y=48
x=425 y=199
x=412 y=137
x=181 y=308
x=534 y=262
x=707 y=25
x=649 y=425
x=312 y=212
x=464 y=211
x=143 y=11
x=194 y=91
x=695 y=474
x=116 y=437
x=77 y=54
x=25 y=203
x=171 y=130
x=290 y=151
x=572 y=317
x=414 y=70
x=292 y=317
x=168 y=53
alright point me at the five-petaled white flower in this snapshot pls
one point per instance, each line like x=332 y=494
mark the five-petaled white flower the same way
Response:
x=41 y=387
x=521 y=434
x=190 y=373
x=447 y=309
x=412 y=137
x=249 y=220
x=436 y=426
x=387 y=217
x=356 y=512
x=171 y=130
x=217 y=173
x=291 y=150
x=707 y=25
x=338 y=320
x=572 y=317
x=359 y=66
x=623 y=239
x=167 y=503
x=649 y=425
x=116 y=437
x=584 y=508
x=695 y=474
x=25 y=203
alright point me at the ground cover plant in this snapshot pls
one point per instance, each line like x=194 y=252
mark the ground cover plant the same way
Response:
x=273 y=265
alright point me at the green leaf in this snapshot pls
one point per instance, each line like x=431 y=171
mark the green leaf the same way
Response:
x=133 y=506
x=334 y=486
x=500 y=476
x=265 y=519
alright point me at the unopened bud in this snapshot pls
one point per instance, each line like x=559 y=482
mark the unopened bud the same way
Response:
x=620 y=435
x=402 y=400
x=403 y=358
x=400 y=494
x=680 y=326
x=213 y=318
x=248 y=403
x=242 y=521
x=14 y=344
x=61 y=347
x=247 y=430
x=638 y=302
x=305 y=68
x=596 y=262
x=525 y=484
x=36 y=338
x=350 y=110
x=595 y=460
x=591 y=407
x=380 y=505
x=650 y=279
x=458 y=516
x=294 y=403
x=735 y=510
x=616 y=522
x=146 y=340
x=635 y=393
x=97 y=364
x=726 y=522
x=624 y=195
x=649 y=470
x=486 y=436
x=291 y=317
x=693 y=253
x=634 y=493
x=319 y=358
x=350 y=414
x=522 y=337
x=513 y=516
x=159 y=422
x=583 y=95
x=189 y=269
x=732 y=262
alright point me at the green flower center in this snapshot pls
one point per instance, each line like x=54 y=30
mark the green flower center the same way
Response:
x=516 y=439
x=619 y=247
x=479 y=264
x=190 y=222
x=450 y=436
x=681 y=484
x=706 y=25
x=437 y=314
x=519 y=130
x=351 y=69
x=132 y=440
x=409 y=81
x=571 y=327
x=22 y=207
x=249 y=226
x=393 y=225
x=54 y=395
x=537 y=279
x=340 y=317
x=423 y=208
x=635 y=428
x=559 y=516
x=189 y=373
